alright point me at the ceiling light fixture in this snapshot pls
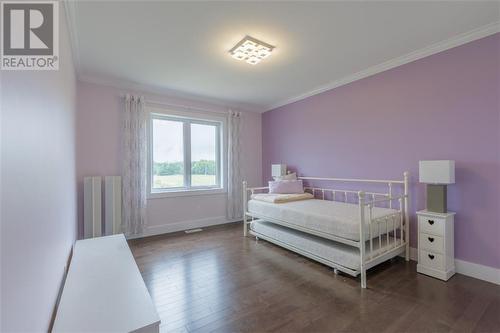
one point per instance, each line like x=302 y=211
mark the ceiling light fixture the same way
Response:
x=251 y=50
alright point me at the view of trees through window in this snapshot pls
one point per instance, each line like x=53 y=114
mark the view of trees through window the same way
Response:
x=169 y=153
x=203 y=155
x=202 y=171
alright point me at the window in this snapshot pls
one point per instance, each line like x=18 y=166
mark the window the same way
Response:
x=185 y=154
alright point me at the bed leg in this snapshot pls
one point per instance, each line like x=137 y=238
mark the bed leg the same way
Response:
x=256 y=238
x=245 y=226
x=361 y=197
x=336 y=271
x=406 y=177
x=363 y=278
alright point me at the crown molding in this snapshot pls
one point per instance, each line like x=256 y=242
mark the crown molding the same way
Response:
x=70 y=10
x=124 y=84
x=447 y=44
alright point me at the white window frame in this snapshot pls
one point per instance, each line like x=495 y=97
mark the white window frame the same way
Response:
x=188 y=117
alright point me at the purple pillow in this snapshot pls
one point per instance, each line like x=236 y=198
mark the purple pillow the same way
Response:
x=286 y=187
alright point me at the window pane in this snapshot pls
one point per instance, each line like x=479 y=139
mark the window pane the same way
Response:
x=203 y=155
x=168 y=156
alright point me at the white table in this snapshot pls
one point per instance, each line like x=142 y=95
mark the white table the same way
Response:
x=104 y=290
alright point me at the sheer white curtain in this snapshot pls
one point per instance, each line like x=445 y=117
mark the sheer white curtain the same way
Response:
x=234 y=175
x=134 y=165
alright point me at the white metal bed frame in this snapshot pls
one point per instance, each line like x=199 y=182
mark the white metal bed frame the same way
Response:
x=368 y=257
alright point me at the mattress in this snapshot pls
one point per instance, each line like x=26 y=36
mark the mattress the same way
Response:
x=344 y=255
x=341 y=254
x=330 y=217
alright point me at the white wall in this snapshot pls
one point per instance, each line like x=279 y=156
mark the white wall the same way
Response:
x=38 y=189
x=99 y=121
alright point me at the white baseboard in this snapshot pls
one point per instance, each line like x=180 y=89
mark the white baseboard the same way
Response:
x=481 y=272
x=183 y=225
x=477 y=271
x=413 y=253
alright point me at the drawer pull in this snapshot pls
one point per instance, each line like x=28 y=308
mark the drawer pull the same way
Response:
x=431 y=239
x=431 y=256
x=431 y=222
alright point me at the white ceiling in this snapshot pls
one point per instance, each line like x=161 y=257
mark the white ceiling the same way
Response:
x=182 y=47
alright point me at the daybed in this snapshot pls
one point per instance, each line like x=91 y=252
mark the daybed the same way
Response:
x=330 y=231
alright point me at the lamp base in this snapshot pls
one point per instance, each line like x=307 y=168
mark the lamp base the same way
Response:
x=436 y=198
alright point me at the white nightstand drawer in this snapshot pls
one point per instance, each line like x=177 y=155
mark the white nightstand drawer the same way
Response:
x=436 y=244
x=432 y=225
x=431 y=260
x=431 y=243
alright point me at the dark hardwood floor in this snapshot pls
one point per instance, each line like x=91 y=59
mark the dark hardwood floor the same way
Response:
x=216 y=280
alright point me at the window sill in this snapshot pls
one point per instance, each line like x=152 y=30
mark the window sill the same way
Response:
x=186 y=193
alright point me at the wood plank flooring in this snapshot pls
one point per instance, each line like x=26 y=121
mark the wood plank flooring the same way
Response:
x=219 y=281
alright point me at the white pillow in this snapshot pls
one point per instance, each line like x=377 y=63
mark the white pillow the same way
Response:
x=290 y=176
x=286 y=187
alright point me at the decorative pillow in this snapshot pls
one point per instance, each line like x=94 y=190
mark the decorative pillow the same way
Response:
x=290 y=176
x=286 y=186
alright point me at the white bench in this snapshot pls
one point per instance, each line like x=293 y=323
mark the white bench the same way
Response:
x=104 y=290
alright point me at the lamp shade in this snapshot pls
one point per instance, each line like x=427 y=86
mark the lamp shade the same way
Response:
x=437 y=172
x=278 y=170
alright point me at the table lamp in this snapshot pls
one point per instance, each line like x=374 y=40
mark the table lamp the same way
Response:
x=437 y=174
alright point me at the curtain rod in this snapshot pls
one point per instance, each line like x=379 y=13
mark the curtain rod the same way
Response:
x=192 y=108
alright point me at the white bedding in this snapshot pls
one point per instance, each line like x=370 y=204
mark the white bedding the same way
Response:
x=331 y=217
x=281 y=198
x=344 y=255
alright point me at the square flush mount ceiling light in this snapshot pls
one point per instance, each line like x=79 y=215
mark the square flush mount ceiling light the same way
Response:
x=251 y=50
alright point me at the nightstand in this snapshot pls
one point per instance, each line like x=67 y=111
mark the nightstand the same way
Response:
x=436 y=252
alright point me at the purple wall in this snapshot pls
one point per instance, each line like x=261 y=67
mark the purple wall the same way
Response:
x=38 y=189
x=441 y=107
x=98 y=152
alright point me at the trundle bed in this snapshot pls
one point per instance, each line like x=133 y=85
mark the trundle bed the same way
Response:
x=350 y=231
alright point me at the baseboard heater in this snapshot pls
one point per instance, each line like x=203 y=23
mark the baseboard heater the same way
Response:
x=92 y=207
x=94 y=202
